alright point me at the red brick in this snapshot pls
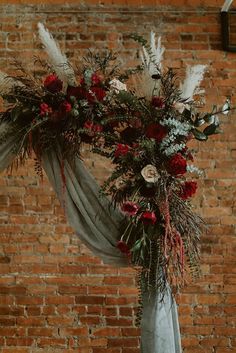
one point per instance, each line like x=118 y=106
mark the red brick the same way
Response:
x=19 y=341
x=52 y=342
x=89 y=300
x=42 y=331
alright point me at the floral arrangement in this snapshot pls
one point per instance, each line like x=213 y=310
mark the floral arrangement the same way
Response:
x=142 y=120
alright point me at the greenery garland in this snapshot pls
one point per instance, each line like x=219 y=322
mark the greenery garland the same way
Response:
x=144 y=135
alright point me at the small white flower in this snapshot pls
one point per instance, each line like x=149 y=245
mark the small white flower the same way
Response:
x=150 y=173
x=117 y=85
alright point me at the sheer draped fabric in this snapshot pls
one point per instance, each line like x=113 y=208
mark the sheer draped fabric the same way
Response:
x=98 y=226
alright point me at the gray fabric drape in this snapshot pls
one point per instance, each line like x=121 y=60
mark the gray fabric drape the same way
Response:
x=160 y=326
x=98 y=226
x=96 y=223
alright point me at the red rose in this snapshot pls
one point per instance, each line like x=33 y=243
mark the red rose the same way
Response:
x=156 y=131
x=97 y=128
x=53 y=84
x=65 y=107
x=96 y=80
x=88 y=125
x=93 y=127
x=45 y=109
x=177 y=165
x=130 y=208
x=123 y=247
x=158 y=102
x=148 y=217
x=121 y=150
x=189 y=188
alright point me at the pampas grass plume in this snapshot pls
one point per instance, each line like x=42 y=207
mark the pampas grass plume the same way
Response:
x=194 y=76
x=58 y=60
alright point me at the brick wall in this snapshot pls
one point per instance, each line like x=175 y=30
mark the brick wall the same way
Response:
x=54 y=295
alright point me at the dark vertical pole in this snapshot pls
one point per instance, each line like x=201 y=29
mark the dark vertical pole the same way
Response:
x=225 y=30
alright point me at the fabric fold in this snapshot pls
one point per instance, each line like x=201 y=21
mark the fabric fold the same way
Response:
x=93 y=218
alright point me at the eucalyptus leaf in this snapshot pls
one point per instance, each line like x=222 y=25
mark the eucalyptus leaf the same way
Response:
x=137 y=245
x=210 y=129
x=199 y=122
x=199 y=135
x=209 y=118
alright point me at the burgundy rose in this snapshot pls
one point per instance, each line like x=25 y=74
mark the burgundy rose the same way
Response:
x=189 y=188
x=97 y=128
x=45 y=109
x=148 y=217
x=89 y=125
x=121 y=150
x=65 y=107
x=53 y=84
x=123 y=247
x=156 y=131
x=130 y=208
x=76 y=92
x=158 y=102
x=96 y=80
x=97 y=93
x=177 y=165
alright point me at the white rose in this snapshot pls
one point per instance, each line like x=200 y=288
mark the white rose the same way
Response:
x=117 y=85
x=150 y=173
x=180 y=106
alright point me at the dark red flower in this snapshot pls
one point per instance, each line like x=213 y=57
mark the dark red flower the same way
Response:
x=148 y=217
x=97 y=93
x=121 y=150
x=53 y=84
x=123 y=247
x=97 y=128
x=76 y=92
x=156 y=131
x=45 y=109
x=65 y=107
x=88 y=125
x=158 y=102
x=93 y=127
x=95 y=80
x=189 y=188
x=177 y=165
x=130 y=208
